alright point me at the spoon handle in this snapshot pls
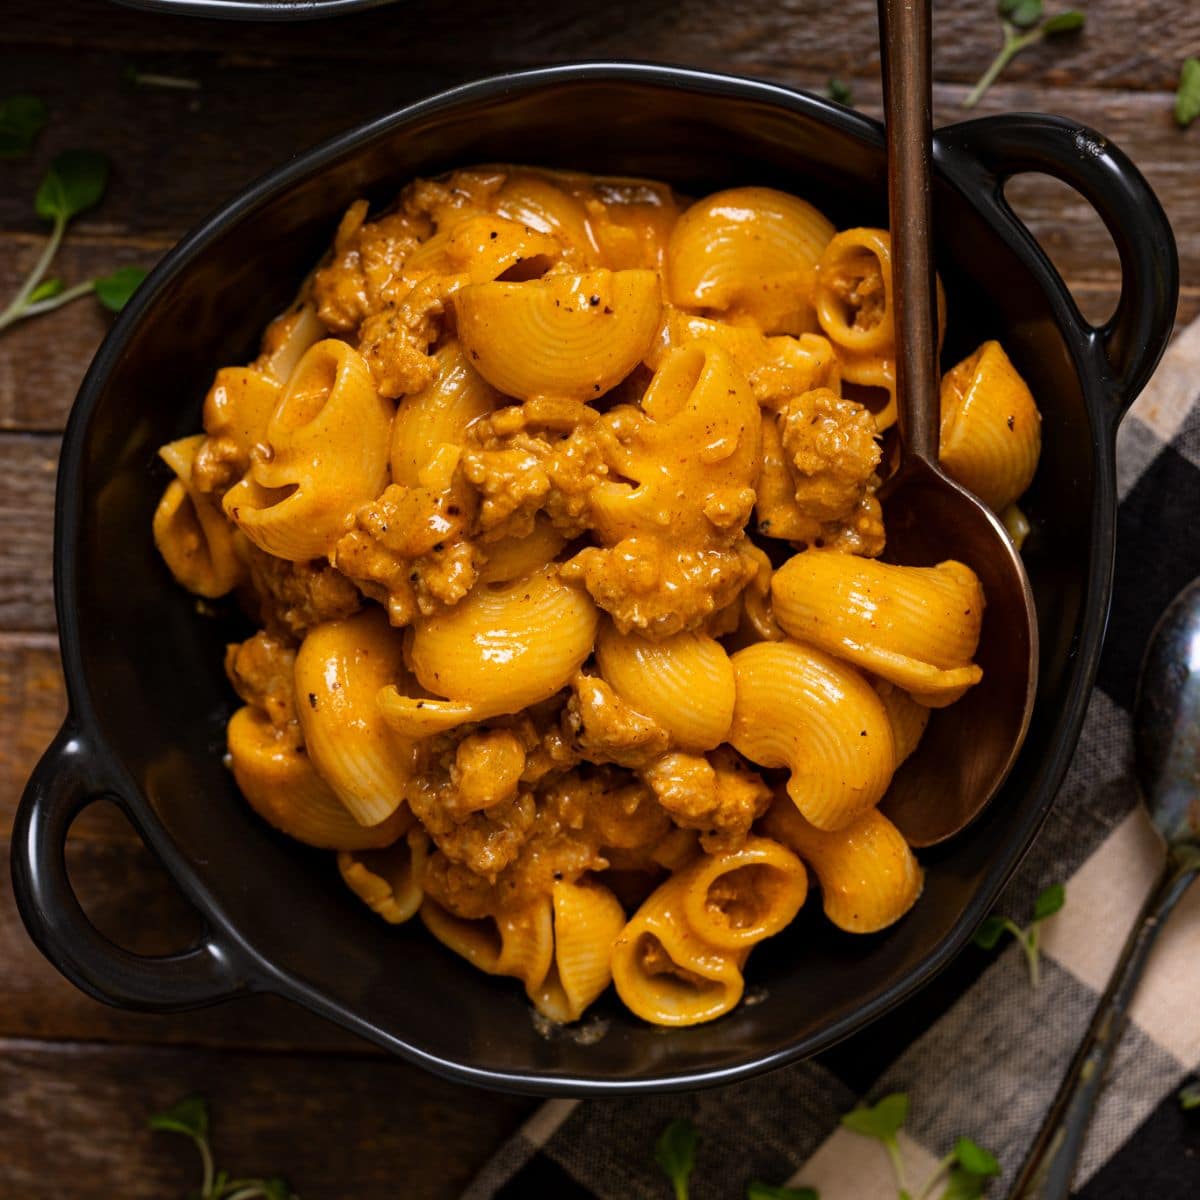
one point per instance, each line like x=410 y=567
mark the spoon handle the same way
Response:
x=905 y=41
x=1050 y=1164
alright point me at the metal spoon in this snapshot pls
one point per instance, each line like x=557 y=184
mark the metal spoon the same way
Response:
x=970 y=746
x=1166 y=731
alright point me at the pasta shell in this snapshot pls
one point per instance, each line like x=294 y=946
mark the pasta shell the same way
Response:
x=239 y=404
x=438 y=415
x=506 y=646
x=775 y=367
x=340 y=668
x=514 y=557
x=736 y=898
x=684 y=683
x=477 y=247
x=579 y=335
x=916 y=627
x=691 y=450
x=666 y=974
x=749 y=253
x=191 y=533
x=872 y=381
x=287 y=340
x=327 y=453
x=531 y=199
x=520 y=943
x=799 y=708
x=281 y=786
x=854 y=292
x=420 y=717
x=587 y=921
x=868 y=875
x=853 y=298
x=383 y=880
x=907 y=718
x=991 y=430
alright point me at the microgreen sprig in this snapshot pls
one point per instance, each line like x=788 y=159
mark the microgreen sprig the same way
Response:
x=839 y=91
x=22 y=118
x=883 y=1121
x=767 y=1191
x=1024 y=26
x=1189 y=1095
x=190 y=1119
x=965 y=1170
x=675 y=1153
x=75 y=182
x=1029 y=938
x=1187 y=98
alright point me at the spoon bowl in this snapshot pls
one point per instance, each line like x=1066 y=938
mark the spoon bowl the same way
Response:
x=1166 y=724
x=970 y=747
x=1166 y=733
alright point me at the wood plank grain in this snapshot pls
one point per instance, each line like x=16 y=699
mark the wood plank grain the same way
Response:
x=177 y=158
x=27 y=467
x=32 y=705
x=73 y=1123
x=1128 y=44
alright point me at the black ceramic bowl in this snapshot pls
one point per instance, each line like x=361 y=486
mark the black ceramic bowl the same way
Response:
x=149 y=700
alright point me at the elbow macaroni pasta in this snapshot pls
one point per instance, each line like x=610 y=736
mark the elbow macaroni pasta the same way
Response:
x=916 y=627
x=801 y=709
x=555 y=500
x=340 y=668
x=328 y=449
x=196 y=542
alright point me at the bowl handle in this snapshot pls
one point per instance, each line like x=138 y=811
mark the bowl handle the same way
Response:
x=64 y=783
x=993 y=149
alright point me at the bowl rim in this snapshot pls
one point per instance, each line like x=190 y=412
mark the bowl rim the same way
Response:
x=261 y=973
x=255 y=10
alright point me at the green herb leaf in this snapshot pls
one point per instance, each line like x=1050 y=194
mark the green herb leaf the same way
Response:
x=46 y=290
x=974 y=1158
x=75 y=182
x=989 y=933
x=962 y=1184
x=115 y=290
x=766 y=1191
x=1024 y=14
x=675 y=1153
x=1187 y=98
x=1064 y=22
x=883 y=1121
x=1049 y=902
x=189 y=1117
x=839 y=91
x=1189 y=1095
x=276 y=1189
x=21 y=120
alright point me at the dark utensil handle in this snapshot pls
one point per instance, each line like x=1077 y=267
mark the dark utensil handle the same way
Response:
x=64 y=783
x=1129 y=345
x=905 y=49
x=1050 y=1164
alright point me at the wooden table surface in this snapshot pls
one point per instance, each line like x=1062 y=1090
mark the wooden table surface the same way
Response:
x=289 y=1092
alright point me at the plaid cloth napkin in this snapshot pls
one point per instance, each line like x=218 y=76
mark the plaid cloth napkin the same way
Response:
x=979 y=1052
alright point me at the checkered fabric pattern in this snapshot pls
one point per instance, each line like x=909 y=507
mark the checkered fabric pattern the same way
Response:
x=979 y=1052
